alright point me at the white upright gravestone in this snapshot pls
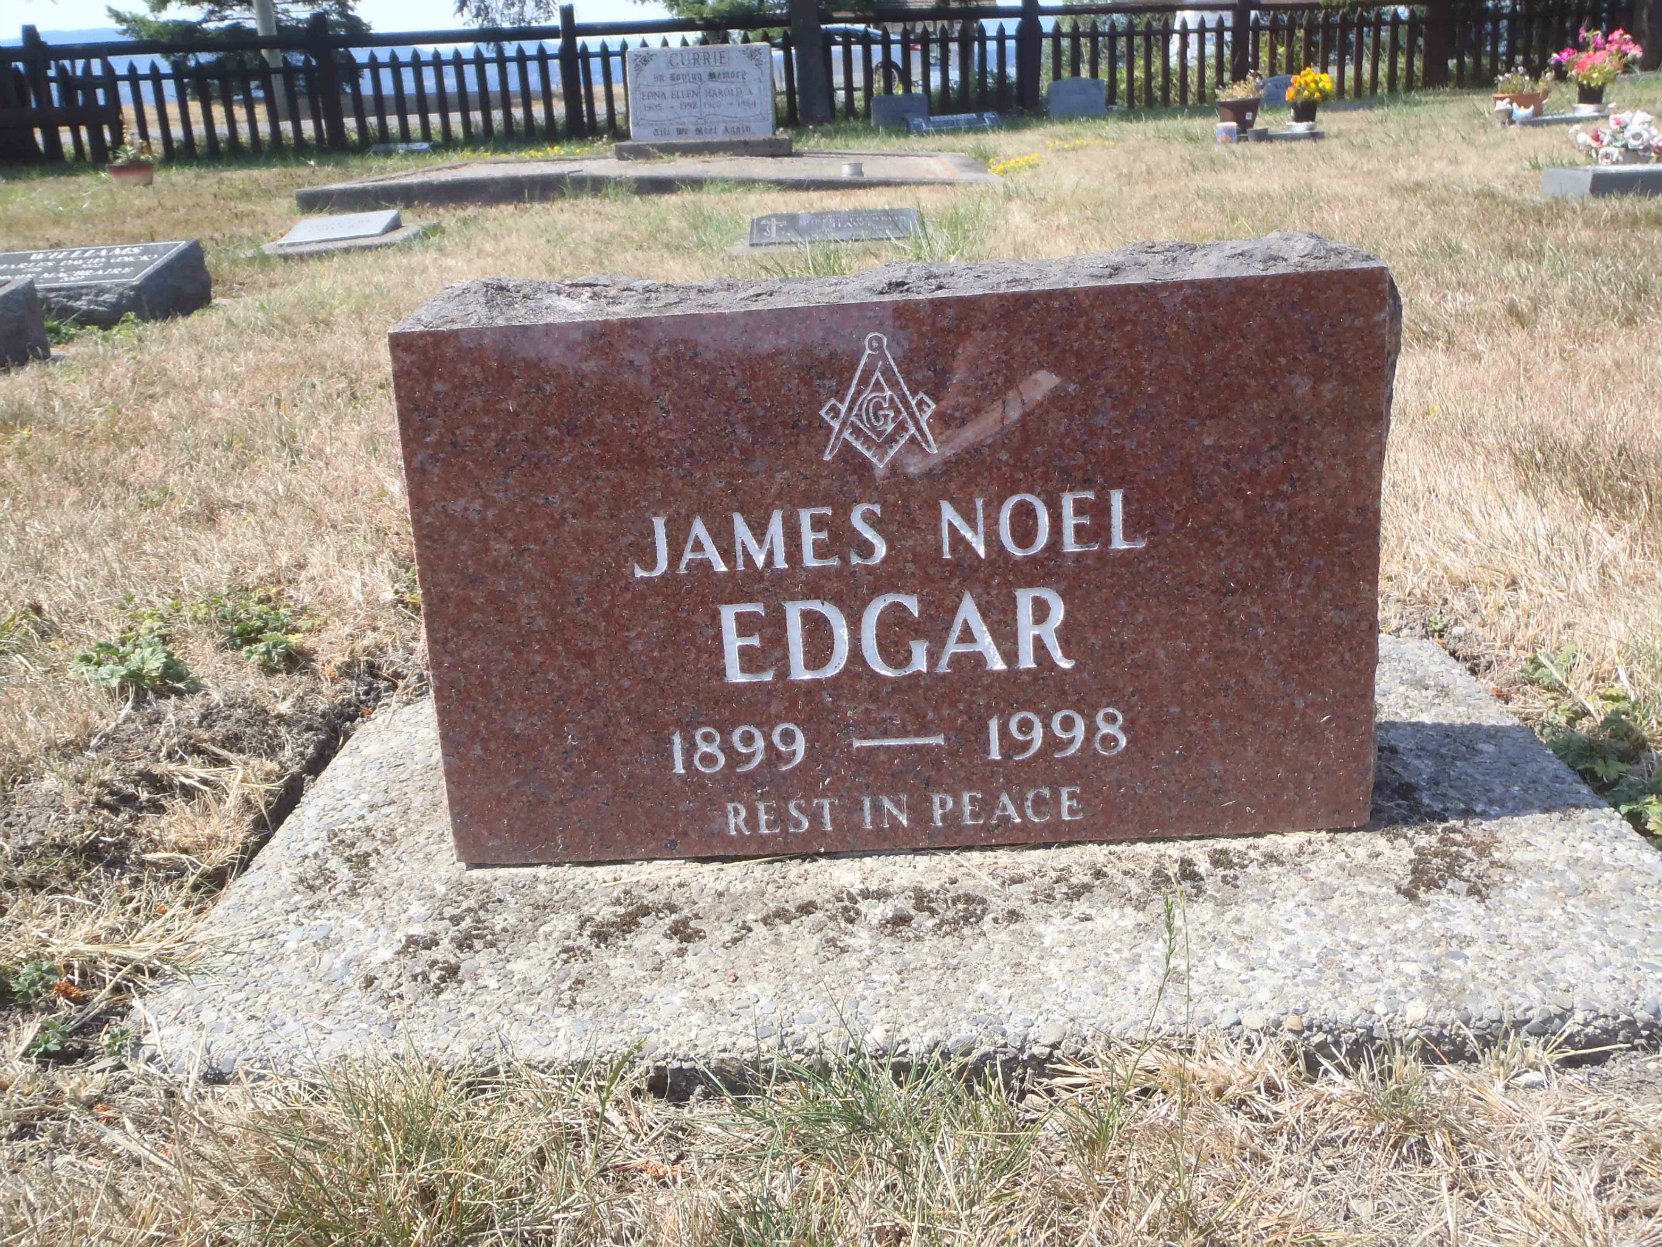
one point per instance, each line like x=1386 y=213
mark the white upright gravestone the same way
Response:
x=723 y=91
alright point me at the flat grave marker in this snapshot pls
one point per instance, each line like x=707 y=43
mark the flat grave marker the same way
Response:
x=954 y=123
x=343 y=226
x=348 y=231
x=721 y=91
x=1077 y=97
x=99 y=285
x=854 y=225
x=930 y=556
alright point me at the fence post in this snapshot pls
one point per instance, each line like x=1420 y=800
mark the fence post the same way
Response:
x=1647 y=29
x=320 y=47
x=1029 y=54
x=1240 y=41
x=571 y=72
x=813 y=84
x=36 y=59
x=1439 y=30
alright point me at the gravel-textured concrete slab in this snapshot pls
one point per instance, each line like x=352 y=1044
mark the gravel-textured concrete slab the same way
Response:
x=1494 y=892
x=517 y=181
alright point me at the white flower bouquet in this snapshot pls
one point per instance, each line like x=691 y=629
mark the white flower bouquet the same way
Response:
x=1624 y=138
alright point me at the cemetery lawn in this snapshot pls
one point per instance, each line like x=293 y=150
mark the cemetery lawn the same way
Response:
x=212 y=509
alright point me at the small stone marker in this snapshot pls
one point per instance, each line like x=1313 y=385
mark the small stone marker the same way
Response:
x=723 y=91
x=100 y=285
x=349 y=231
x=779 y=228
x=399 y=149
x=929 y=556
x=898 y=111
x=1275 y=92
x=1077 y=97
x=950 y=123
x=22 y=324
x=1596 y=181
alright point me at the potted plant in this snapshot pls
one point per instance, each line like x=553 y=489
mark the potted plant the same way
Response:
x=1624 y=139
x=1309 y=87
x=1240 y=101
x=1521 y=90
x=1597 y=61
x=132 y=165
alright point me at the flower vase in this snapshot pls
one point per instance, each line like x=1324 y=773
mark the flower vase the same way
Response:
x=132 y=172
x=1244 y=113
x=1305 y=111
x=1589 y=101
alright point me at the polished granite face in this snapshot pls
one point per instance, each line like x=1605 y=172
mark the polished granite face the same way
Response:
x=935 y=555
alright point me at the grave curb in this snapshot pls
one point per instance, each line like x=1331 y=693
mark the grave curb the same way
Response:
x=485 y=181
x=1493 y=895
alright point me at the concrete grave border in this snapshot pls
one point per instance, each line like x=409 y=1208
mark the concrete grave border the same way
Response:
x=1493 y=894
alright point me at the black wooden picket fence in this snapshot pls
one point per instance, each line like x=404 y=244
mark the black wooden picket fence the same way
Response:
x=549 y=84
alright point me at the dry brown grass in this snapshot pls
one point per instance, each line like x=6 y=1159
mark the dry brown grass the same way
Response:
x=1216 y=1145
x=253 y=446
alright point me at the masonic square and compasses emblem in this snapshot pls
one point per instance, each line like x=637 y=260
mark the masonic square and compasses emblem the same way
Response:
x=879 y=414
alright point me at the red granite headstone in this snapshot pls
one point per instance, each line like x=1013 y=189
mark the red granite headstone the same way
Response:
x=945 y=555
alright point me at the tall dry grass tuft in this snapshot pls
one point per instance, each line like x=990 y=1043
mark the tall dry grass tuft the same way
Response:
x=1218 y=1143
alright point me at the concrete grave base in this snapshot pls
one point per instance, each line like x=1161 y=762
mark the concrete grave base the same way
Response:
x=1493 y=893
x=517 y=181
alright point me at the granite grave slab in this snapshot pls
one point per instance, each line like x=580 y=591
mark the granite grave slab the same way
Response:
x=712 y=92
x=1493 y=894
x=1077 y=97
x=99 y=285
x=852 y=225
x=931 y=556
x=954 y=123
x=897 y=112
x=22 y=324
x=1597 y=181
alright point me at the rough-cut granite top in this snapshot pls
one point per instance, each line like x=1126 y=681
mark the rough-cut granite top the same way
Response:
x=516 y=301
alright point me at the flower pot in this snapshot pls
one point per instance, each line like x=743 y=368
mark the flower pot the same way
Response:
x=1244 y=113
x=1304 y=110
x=1534 y=101
x=1589 y=95
x=132 y=172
